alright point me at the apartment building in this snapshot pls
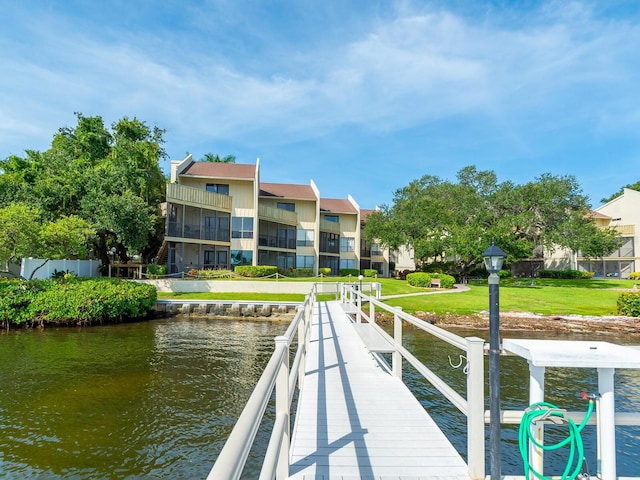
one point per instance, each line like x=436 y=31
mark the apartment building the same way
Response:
x=623 y=214
x=219 y=215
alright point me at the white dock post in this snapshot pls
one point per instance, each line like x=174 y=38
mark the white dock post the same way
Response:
x=396 y=359
x=607 y=428
x=282 y=409
x=536 y=394
x=475 y=408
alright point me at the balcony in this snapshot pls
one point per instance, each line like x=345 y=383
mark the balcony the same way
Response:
x=332 y=227
x=197 y=197
x=277 y=215
x=625 y=230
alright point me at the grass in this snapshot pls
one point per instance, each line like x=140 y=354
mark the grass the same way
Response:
x=541 y=296
x=551 y=300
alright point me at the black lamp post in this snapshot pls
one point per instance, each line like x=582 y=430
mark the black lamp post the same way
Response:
x=493 y=259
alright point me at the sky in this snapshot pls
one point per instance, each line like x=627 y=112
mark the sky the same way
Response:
x=360 y=96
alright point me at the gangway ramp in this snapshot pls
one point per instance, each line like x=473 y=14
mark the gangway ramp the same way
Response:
x=357 y=421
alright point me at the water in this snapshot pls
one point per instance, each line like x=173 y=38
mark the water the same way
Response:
x=143 y=400
x=158 y=399
x=562 y=388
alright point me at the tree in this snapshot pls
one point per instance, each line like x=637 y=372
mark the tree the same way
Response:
x=210 y=157
x=632 y=186
x=456 y=221
x=19 y=229
x=90 y=168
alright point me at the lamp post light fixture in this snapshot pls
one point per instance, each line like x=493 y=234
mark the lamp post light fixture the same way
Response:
x=493 y=259
x=360 y=277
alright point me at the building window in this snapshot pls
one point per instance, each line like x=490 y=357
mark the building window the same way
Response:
x=347 y=244
x=376 y=250
x=216 y=226
x=221 y=188
x=287 y=206
x=242 y=227
x=241 y=257
x=276 y=235
x=332 y=218
x=218 y=258
x=305 y=261
x=305 y=238
x=329 y=242
x=347 y=263
x=377 y=266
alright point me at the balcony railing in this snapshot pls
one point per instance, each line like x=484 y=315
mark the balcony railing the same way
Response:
x=194 y=231
x=326 y=226
x=277 y=215
x=197 y=197
x=625 y=230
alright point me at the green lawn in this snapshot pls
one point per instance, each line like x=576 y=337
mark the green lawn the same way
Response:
x=554 y=300
x=541 y=296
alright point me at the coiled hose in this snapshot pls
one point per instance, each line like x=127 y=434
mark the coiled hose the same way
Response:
x=540 y=411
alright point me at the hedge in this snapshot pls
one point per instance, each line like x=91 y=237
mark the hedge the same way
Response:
x=345 y=272
x=422 y=279
x=629 y=304
x=301 y=272
x=255 y=271
x=74 y=301
x=325 y=271
x=564 y=274
x=634 y=276
x=370 y=272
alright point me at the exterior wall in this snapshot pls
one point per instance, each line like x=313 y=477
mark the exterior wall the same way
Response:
x=560 y=259
x=622 y=213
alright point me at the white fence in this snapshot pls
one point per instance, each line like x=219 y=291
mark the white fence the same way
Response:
x=46 y=268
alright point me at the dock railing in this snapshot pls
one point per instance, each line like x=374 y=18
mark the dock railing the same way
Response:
x=280 y=376
x=472 y=406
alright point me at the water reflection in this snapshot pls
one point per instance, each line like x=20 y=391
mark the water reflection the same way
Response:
x=145 y=400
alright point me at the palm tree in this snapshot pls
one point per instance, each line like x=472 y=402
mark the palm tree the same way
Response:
x=210 y=157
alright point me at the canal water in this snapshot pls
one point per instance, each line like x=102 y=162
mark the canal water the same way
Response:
x=158 y=399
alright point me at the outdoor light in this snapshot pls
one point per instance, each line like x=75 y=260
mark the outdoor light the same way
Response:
x=360 y=277
x=493 y=259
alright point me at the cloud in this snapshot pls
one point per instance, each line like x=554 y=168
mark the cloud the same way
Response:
x=521 y=71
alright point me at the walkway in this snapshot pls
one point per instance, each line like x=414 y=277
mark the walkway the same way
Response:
x=357 y=421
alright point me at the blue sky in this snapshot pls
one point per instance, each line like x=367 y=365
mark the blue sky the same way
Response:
x=361 y=96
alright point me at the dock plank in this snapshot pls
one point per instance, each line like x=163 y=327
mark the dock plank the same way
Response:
x=355 y=420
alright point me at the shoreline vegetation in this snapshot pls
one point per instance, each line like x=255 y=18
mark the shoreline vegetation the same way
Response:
x=584 y=305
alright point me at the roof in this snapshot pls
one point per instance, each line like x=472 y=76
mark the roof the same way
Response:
x=220 y=170
x=287 y=190
x=595 y=214
x=337 y=205
x=365 y=212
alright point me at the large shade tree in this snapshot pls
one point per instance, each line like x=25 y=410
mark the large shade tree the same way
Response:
x=110 y=178
x=455 y=221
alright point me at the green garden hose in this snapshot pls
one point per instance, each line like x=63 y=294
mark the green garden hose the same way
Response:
x=540 y=412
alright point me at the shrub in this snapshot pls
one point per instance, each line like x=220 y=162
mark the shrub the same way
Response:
x=301 y=272
x=155 y=271
x=75 y=301
x=218 y=273
x=255 y=271
x=504 y=273
x=325 y=271
x=634 y=276
x=422 y=279
x=370 y=273
x=587 y=275
x=402 y=275
x=564 y=274
x=629 y=304
x=345 y=272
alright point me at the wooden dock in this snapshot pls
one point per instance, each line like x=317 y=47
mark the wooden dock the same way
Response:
x=357 y=421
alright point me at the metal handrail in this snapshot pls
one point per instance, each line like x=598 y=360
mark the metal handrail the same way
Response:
x=279 y=376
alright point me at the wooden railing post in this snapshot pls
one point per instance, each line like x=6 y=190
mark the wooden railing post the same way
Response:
x=358 y=305
x=475 y=408
x=282 y=409
x=396 y=359
x=372 y=311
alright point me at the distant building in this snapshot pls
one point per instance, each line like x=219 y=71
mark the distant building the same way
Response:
x=219 y=215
